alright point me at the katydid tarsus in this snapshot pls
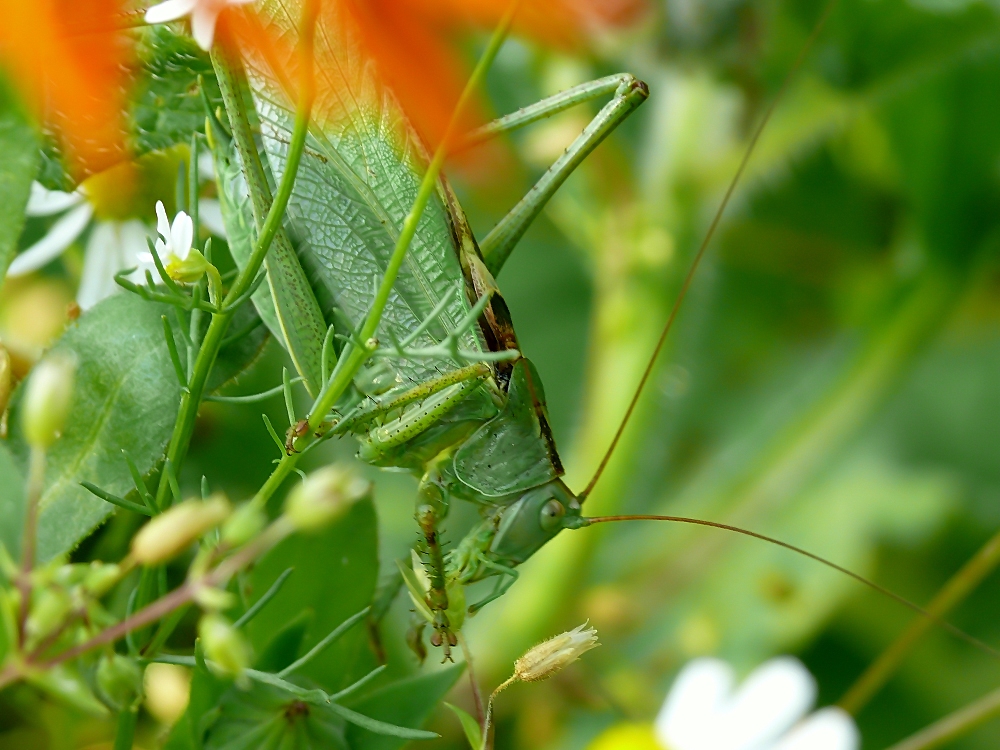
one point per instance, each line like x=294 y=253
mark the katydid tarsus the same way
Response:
x=446 y=392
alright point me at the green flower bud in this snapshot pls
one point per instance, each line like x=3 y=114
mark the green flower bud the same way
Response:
x=243 y=525
x=189 y=269
x=324 y=496
x=170 y=533
x=213 y=599
x=47 y=399
x=48 y=611
x=224 y=645
x=101 y=578
x=119 y=680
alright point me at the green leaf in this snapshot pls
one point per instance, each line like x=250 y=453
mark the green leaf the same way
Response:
x=469 y=725
x=266 y=717
x=334 y=577
x=125 y=397
x=19 y=147
x=167 y=105
x=407 y=702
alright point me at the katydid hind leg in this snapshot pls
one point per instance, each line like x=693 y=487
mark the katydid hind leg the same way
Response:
x=628 y=93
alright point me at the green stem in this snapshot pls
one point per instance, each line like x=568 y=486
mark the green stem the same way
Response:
x=36 y=483
x=348 y=365
x=342 y=376
x=207 y=354
x=953 y=725
x=958 y=587
x=125 y=733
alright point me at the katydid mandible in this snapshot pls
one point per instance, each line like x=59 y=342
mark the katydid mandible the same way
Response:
x=450 y=398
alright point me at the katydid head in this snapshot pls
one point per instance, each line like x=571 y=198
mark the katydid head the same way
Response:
x=535 y=518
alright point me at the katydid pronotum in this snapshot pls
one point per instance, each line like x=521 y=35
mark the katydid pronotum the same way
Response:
x=446 y=392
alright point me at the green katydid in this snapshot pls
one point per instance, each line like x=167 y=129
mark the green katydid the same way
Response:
x=451 y=398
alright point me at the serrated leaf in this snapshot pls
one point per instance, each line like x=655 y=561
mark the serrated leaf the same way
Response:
x=407 y=702
x=19 y=146
x=334 y=577
x=125 y=397
x=167 y=105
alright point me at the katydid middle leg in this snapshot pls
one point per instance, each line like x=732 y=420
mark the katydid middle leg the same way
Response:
x=508 y=576
x=628 y=93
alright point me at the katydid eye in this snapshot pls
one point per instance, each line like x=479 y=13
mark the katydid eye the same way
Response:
x=552 y=513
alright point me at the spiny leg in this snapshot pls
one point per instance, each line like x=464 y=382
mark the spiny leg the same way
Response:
x=432 y=506
x=371 y=410
x=508 y=577
x=629 y=93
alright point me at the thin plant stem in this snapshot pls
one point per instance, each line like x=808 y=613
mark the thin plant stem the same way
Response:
x=954 y=725
x=216 y=333
x=477 y=694
x=488 y=726
x=36 y=483
x=218 y=576
x=125 y=732
x=355 y=356
x=342 y=376
x=958 y=587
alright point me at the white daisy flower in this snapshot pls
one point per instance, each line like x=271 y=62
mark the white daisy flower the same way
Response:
x=112 y=246
x=204 y=15
x=769 y=710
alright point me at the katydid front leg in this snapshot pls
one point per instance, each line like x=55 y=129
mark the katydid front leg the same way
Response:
x=628 y=93
x=508 y=577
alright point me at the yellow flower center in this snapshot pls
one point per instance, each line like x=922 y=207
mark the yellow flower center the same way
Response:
x=130 y=190
x=627 y=737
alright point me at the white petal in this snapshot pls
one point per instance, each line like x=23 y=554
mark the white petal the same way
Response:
x=775 y=696
x=133 y=243
x=162 y=222
x=162 y=250
x=97 y=279
x=47 y=202
x=181 y=234
x=828 y=729
x=203 y=23
x=59 y=237
x=699 y=693
x=210 y=215
x=170 y=10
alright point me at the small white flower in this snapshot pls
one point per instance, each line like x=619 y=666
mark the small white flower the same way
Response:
x=180 y=261
x=204 y=15
x=706 y=711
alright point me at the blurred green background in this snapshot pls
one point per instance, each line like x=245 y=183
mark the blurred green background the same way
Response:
x=833 y=379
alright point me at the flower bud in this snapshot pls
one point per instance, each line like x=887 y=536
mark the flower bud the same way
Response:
x=324 y=496
x=243 y=525
x=171 y=532
x=552 y=655
x=119 y=679
x=48 y=611
x=100 y=578
x=224 y=645
x=187 y=270
x=213 y=599
x=47 y=399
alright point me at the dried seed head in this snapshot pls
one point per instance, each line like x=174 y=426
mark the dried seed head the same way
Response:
x=171 y=532
x=555 y=654
x=47 y=399
x=324 y=496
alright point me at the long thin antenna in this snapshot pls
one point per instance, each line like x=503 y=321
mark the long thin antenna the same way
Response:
x=954 y=630
x=827 y=12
